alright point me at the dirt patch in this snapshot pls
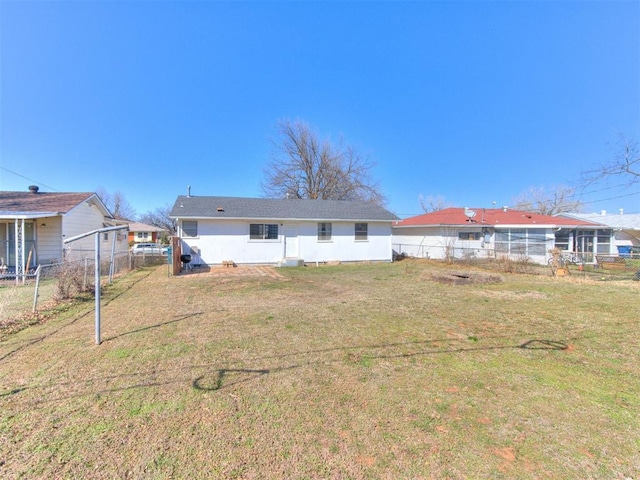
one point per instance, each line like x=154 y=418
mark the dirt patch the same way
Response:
x=237 y=271
x=465 y=278
x=511 y=295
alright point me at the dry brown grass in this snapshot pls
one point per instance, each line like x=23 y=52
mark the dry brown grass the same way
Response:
x=370 y=371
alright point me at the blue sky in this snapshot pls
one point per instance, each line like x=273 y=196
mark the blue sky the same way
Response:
x=472 y=101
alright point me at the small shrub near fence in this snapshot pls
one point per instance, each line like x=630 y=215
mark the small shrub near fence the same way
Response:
x=20 y=302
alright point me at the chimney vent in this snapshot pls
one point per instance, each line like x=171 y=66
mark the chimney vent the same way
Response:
x=34 y=188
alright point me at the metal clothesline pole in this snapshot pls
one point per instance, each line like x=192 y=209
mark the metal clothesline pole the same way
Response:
x=97 y=269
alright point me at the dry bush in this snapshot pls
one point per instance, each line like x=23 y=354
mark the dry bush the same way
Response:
x=509 y=265
x=70 y=280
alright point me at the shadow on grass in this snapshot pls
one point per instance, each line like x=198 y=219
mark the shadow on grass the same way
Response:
x=529 y=345
x=72 y=321
x=33 y=341
x=241 y=375
x=157 y=325
x=544 y=345
x=223 y=378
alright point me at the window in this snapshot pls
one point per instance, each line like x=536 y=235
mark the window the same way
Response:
x=537 y=241
x=263 y=231
x=105 y=236
x=190 y=228
x=604 y=241
x=562 y=239
x=140 y=235
x=361 y=231
x=469 y=235
x=520 y=241
x=324 y=231
x=502 y=241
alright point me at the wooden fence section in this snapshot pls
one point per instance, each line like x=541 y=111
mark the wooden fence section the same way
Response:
x=176 y=251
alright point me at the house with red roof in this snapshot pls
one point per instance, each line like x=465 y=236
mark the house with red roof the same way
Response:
x=34 y=225
x=498 y=232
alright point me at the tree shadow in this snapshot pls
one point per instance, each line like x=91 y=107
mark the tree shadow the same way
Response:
x=217 y=380
x=227 y=377
x=157 y=325
x=69 y=323
x=544 y=345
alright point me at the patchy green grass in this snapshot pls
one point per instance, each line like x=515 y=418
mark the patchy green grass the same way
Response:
x=362 y=371
x=16 y=303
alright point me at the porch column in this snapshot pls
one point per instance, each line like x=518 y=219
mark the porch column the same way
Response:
x=20 y=248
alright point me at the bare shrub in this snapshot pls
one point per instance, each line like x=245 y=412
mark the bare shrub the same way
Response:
x=71 y=280
x=507 y=264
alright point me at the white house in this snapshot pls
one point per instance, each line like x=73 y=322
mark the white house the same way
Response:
x=626 y=229
x=143 y=233
x=496 y=232
x=270 y=231
x=34 y=224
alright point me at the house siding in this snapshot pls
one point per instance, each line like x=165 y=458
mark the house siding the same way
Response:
x=49 y=240
x=419 y=242
x=82 y=219
x=219 y=241
x=442 y=242
x=343 y=247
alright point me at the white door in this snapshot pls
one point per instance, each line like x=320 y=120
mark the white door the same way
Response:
x=291 y=240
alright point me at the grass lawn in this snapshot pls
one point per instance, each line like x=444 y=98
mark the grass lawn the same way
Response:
x=361 y=372
x=16 y=302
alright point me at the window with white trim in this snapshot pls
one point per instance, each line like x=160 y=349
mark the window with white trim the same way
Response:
x=361 y=231
x=521 y=241
x=324 y=232
x=189 y=228
x=469 y=235
x=263 y=231
x=604 y=241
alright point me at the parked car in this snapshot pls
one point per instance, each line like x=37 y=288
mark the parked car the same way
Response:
x=149 y=249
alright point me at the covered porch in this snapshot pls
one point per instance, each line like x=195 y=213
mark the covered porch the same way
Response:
x=27 y=240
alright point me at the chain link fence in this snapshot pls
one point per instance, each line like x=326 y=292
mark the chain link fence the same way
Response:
x=23 y=297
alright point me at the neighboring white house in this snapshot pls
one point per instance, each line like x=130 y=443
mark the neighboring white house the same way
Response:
x=626 y=228
x=496 y=232
x=34 y=224
x=269 y=231
x=143 y=233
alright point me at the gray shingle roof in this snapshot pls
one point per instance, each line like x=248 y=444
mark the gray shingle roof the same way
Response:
x=278 y=209
x=49 y=202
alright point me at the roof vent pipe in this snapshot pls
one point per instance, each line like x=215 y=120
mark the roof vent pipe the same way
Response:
x=505 y=208
x=34 y=188
x=622 y=211
x=188 y=190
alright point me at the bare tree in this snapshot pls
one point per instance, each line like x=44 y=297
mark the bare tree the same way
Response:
x=548 y=202
x=625 y=163
x=304 y=166
x=433 y=204
x=117 y=204
x=160 y=218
